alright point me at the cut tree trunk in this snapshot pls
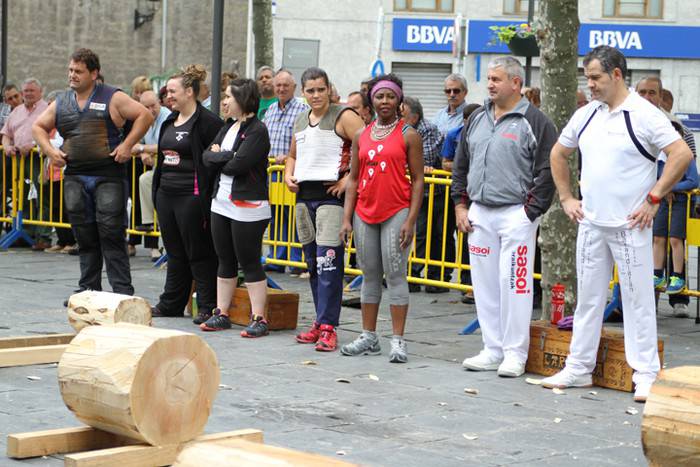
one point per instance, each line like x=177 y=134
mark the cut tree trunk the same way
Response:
x=92 y=308
x=671 y=423
x=152 y=385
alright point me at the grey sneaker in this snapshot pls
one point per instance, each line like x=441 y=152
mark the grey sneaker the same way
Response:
x=398 y=351
x=680 y=310
x=363 y=345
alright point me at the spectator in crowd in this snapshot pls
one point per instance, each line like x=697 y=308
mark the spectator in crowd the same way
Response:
x=382 y=206
x=139 y=85
x=163 y=98
x=182 y=188
x=147 y=151
x=89 y=117
x=507 y=180
x=619 y=135
x=364 y=86
x=451 y=116
x=279 y=119
x=360 y=102
x=17 y=140
x=335 y=97
x=650 y=88
x=666 y=100
x=205 y=92
x=431 y=143
x=581 y=98
x=447 y=152
x=52 y=201
x=240 y=210
x=322 y=138
x=533 y=95
x=264 y=78
x=11 y=99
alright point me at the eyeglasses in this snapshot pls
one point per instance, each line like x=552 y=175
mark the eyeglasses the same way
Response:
x=452 y=91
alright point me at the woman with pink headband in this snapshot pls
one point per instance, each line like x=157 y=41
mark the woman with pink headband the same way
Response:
x=382 y=205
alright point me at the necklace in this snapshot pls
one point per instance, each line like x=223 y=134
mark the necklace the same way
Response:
x=380 y=131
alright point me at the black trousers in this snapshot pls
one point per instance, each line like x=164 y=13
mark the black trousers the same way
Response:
x=238 y=243
x=186 y=235
x=96 y=208
x=435 y=237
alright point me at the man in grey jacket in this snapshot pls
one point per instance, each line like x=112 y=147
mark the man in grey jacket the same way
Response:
x=501 y=186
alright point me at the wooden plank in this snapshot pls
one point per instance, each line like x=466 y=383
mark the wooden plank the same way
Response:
x=31 y=355
x=246 y=454
x=60 y=441
x=31 y=341
x=143 y=455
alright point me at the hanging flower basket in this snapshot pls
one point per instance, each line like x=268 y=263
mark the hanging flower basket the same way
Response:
x=524 y=46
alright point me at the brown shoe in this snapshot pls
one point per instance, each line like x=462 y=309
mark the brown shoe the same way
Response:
x=54 y=249
x=40 y=246
x=69 y=249
x=131 y=250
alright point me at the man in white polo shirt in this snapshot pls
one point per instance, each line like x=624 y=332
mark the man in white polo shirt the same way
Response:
x=619 y=136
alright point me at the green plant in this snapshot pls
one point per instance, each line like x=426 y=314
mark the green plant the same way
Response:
x=504 y=34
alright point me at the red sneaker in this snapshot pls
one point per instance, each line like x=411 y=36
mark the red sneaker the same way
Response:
x=310 y=336
x=328 y=340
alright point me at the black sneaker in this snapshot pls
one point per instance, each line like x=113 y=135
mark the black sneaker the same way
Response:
x=413 y=288
x=202 y=317
x=218 y=322
x=256 y=328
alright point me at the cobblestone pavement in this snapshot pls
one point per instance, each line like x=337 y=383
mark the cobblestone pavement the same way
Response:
x=415 y=414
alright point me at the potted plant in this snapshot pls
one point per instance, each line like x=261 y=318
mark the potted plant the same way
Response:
x=520 y=39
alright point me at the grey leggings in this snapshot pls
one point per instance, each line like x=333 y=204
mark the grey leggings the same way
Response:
x=379 y=253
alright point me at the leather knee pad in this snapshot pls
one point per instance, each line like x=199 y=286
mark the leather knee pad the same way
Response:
x=329 y=220
x=305 y=225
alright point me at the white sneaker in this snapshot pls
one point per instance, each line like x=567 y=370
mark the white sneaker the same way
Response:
x=511 y=367
x=565 y=379
x=680 y=310
x=482 y=362
x=641 y=391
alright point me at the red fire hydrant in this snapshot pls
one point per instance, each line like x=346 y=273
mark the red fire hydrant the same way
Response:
x=558 y=303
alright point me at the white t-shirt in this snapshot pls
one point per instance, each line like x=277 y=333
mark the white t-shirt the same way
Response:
x=239 y=210
x=615 y=176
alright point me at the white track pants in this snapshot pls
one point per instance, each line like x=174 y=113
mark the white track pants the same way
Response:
x=501 y=253
x=596 y=249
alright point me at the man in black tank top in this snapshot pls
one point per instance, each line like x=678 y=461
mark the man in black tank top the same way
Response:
x=90 y=116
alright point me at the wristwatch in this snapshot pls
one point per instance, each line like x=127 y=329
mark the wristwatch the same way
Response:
x=651 y=199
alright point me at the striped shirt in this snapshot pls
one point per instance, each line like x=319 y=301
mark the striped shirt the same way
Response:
x=280 y=123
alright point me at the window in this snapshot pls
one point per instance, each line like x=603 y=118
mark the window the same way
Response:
x=445 y=6
x=517 y=7
x=633 y=8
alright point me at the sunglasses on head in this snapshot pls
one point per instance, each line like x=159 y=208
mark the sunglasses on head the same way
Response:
x=452 y=91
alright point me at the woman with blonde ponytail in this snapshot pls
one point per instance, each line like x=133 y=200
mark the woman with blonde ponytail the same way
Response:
x=182 y=197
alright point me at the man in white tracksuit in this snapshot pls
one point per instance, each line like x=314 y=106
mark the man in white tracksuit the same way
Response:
x=501 y=185
x=619 y=136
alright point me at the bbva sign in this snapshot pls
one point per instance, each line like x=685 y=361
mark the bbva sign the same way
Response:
x=624 y=40
x=429 y=34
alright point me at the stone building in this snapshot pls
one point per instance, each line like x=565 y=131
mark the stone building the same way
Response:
x=43 y=33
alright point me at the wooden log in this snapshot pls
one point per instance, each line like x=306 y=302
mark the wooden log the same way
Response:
x=30 y=341
x=671 y=422
x=91 y=308
x=153 y=385
x=243 y=453
x=61 y=441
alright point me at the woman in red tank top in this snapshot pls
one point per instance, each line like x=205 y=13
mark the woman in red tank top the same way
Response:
x=381 y=206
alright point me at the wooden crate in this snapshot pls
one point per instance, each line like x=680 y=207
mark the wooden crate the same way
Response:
x=282 y=308
x=549 y=348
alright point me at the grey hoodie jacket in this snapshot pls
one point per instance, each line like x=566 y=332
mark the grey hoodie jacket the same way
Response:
x=506 y=162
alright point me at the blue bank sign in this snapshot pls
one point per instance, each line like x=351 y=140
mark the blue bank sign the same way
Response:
x=437 y=35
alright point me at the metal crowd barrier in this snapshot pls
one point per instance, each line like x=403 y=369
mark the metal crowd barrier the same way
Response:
x=31 y=175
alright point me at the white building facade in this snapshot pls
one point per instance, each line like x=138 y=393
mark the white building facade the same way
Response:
x=418 y=40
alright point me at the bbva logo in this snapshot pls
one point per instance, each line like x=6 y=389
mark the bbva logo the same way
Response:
x=618 y=39
x=429 y=34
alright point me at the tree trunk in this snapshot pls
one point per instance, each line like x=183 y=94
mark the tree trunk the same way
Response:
x=558 y=26
x=262 y=31
x=93 y=308
x=152 y=385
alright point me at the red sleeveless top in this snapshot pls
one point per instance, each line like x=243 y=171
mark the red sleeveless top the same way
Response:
x=383 y=188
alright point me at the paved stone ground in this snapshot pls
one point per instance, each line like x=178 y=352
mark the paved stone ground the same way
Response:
x=414 y=415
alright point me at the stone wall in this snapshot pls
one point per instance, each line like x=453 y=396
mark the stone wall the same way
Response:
x=43 y=33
